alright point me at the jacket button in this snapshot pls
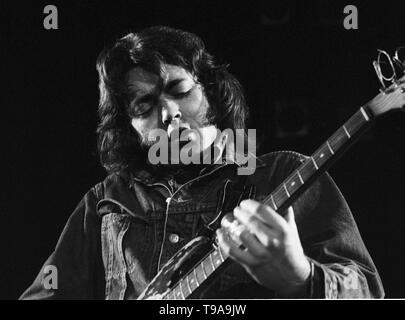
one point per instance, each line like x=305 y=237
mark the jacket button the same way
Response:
x=174 y=238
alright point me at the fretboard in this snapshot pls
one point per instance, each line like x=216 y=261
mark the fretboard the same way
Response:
x=283 y=196
x=301 y=178
x=199 y=274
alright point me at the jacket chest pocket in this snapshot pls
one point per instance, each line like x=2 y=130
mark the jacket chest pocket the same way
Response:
x=127 y=246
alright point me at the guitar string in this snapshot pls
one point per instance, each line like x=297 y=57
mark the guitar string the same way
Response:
x=195 y=266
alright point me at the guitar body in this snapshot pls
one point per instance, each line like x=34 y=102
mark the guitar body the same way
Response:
x=176 y=268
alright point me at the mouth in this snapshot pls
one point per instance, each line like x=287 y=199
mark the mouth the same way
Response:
x=176 y=134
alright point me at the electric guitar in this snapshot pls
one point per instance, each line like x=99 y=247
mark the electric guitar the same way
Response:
x=188 y=270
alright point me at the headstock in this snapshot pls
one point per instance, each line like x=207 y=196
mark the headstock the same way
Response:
x=393 y=98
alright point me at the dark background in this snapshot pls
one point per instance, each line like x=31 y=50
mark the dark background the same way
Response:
x=304 y=75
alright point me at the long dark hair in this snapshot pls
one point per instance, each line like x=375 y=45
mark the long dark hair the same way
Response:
x=118 y=143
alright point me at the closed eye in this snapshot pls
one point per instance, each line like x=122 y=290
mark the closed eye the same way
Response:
x=180 y=95
x=143 y=112
x=182 y=92
x=140 y=110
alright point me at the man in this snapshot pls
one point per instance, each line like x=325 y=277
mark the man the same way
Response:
x=126 y=228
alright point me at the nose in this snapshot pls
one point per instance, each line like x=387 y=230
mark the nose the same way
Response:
x=170 y=112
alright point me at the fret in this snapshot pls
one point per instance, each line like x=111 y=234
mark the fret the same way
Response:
x=220 y=254
x=330 y=148
x=315 y=165
x=286 y=191
x=207 y=266
x=299 y=176
x=293 y=183
x=356 y=122
x=216 y=259
x=203 y=270
x=181 y=289
x=308 y=169
x=338 y=139
x=280 y=194
x=322 y=155
x=363 y=112
x=346 y=131
x=188 y=285
x=199 y=274
x=212 y=262
x=273 y=202
x=195 y=277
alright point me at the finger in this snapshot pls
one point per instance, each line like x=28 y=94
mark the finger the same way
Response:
x=254 y=246
x=228 y=247
x=256 y=226
x=232 y=227
x=289 y=217
x=265 y=213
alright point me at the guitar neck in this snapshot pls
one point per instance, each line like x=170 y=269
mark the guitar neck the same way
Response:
x=315 y=165
x=214 y=260
x=283 y=196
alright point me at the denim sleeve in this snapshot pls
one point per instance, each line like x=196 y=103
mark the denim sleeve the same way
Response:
x=73 y=270
x=341 y=266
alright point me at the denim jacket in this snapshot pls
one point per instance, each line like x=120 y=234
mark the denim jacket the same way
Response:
x=128 y=226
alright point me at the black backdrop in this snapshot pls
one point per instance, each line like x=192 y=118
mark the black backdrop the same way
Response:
x=304 y=75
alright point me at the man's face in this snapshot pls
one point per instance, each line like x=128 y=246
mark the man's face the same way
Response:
x=171 y=102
